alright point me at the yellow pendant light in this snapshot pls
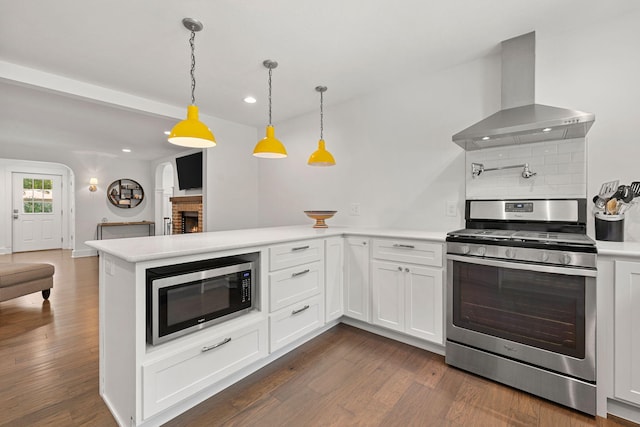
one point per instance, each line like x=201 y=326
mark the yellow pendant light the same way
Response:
x=192 y=132
x=270 y=147
x=321 y=157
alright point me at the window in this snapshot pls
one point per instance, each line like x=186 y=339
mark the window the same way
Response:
x=37 y=195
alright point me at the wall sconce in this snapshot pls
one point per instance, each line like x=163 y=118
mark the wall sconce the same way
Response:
x=93 y=184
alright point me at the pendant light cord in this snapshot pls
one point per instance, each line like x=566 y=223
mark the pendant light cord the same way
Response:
x=321 y=115
x=270 y=70
x=193 y=67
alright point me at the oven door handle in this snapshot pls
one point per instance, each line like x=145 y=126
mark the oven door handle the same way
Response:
x=522 y=266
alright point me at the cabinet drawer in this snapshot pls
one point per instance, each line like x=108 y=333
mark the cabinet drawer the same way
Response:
x=169 y=380
x=411 y=251
x=296 y=253
x=292 y=285
x=293 y=322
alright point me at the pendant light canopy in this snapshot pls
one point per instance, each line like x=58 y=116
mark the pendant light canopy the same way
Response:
x=270 y=147
x=192 y=132
x=321 y=157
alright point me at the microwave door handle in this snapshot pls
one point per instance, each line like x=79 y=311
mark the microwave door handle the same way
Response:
x=530 y=267
x=220 y=344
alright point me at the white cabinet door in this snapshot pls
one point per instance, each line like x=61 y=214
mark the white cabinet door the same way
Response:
x=356 y=272
x=387 y=284
x=169 y=380
x=334 y=277
x=424 y=303
x=627 y=331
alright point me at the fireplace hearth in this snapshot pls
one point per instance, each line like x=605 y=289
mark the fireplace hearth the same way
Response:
x=186 y=214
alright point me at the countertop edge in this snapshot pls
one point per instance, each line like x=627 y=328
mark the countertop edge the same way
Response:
x=141 y=249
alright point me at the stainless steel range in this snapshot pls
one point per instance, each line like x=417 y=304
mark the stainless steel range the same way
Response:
x=521 y=289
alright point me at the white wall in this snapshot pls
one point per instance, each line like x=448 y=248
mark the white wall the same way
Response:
x=595 y=68
x=393 y=148
x=230 y=182
x=90 y=207
x=393 y=151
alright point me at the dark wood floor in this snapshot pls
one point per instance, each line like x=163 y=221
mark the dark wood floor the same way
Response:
x=345 y=377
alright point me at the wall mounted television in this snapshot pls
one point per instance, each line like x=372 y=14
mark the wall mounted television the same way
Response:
x=189 y=170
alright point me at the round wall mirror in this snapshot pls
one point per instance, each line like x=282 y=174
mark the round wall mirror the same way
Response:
x=125 y=193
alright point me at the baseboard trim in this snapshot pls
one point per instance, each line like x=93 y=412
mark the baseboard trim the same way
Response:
x=396 y=336
x=623 y=410
x=83 y=253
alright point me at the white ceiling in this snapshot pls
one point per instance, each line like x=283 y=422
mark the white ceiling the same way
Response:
x=140 y=47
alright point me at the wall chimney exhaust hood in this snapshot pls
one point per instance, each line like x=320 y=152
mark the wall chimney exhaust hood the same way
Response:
x=521 y=120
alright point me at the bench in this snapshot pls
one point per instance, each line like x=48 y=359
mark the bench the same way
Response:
x=18 y=279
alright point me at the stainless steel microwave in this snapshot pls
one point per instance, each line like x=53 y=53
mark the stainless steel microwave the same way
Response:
x=188 y=297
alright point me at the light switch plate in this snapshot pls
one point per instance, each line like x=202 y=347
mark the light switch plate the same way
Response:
x=452 y=208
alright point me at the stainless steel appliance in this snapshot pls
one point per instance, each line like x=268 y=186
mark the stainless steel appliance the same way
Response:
x=521 y=289
x=187 y=297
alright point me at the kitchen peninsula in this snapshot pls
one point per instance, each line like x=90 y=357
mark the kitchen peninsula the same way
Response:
x=387 y=281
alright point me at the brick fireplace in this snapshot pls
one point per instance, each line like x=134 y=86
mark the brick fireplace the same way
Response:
x=186 y=214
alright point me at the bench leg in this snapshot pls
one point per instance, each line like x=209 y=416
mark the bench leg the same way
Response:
x=46 y=293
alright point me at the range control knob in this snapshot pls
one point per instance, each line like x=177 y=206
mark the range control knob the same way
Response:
x=482 y=250
x=544 y=257
x=464 y=249
x=510 y=253
x=565 y=259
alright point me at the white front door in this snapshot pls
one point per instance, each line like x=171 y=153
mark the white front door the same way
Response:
x=37 y=212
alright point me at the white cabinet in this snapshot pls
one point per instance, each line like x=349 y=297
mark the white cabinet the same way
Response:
x=334 y=277
x=408 y=297
x=627 y=331
x=356 y=276
x=296 y=291
x=291 y=323
x=295 y=284
x=175 y=377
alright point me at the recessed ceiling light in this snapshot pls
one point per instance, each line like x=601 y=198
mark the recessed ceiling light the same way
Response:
x=250 y=100
x=484 y=138
x=126 y=150
x=546 y=129
x=167 y=132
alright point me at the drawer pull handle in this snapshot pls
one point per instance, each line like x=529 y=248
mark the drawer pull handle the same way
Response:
x=398 y=245
x=306 y=307
x=300 y=273
x=300 y=248
x=220 y=344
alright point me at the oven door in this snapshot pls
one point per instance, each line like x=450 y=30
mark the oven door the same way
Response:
x=538 y=314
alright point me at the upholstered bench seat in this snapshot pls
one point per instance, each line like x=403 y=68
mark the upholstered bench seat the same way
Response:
x=18 y=279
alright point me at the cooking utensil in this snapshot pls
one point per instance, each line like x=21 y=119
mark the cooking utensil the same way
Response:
x=608 y=188
x=623 y=193
x=635 y=187
x=599 y=202
x=612 y=206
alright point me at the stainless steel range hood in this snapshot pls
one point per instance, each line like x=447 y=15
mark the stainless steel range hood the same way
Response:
x=521 y=120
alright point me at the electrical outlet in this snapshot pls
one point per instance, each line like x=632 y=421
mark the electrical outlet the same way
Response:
x=452 y=208
x=354 y=209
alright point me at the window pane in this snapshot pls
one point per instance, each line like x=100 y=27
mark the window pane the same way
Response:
x=37 y=183
x=37 y=207
x=47 y=207
x=48 y=184
x=27 y=183
x=28 y=207
x=47 y=195
x=27 y=195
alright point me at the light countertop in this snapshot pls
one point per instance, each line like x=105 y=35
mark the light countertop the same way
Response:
x=627 y=249
x=139 y=249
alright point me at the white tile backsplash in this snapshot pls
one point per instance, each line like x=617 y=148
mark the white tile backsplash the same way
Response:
x=560 y=167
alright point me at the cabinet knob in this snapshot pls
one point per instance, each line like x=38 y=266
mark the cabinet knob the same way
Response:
x=407 y=270
x=399 y=268
x=364 y=243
